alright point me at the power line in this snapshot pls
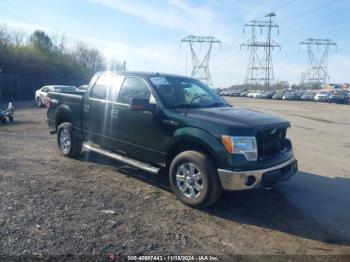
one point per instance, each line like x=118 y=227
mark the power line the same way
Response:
x=309 y=12
x=238 y=17
x=227 y=10
x=297 y=21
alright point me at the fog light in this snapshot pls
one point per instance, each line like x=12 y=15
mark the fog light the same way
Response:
x=250 y=180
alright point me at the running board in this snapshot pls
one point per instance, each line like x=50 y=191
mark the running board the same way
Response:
x=124 y=159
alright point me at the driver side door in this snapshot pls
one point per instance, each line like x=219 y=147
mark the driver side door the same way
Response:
x=139 y=134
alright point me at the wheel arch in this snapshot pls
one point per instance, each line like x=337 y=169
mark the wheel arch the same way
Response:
x=194 y=139
x=63 y=114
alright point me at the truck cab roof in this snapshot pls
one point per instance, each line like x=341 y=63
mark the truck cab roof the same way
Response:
x=139 y=74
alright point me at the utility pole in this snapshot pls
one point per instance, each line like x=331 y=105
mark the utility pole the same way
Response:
x=255 y=70
x=269 y=69
x=200 y=68
x=260 y=66
x=317 y=72
x=124 y=66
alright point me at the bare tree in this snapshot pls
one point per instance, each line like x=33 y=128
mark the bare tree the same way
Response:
x=59 y=42
x=88 y=57
x=282 y=85
x=18 y=37
x=5 y=38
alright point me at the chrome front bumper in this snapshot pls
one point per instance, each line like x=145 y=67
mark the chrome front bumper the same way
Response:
x=242 y=180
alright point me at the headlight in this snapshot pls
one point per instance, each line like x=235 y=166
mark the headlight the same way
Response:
x=245 y=145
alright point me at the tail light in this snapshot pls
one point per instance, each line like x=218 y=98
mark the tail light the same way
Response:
x=47 y=103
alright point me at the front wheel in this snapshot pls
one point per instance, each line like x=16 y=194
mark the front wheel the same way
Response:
x=68 y=143
x=194 y=179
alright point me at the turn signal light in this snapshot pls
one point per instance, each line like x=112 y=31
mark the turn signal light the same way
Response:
x=227 y=142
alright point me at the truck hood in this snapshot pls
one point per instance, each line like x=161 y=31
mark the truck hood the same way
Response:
x=235 y=117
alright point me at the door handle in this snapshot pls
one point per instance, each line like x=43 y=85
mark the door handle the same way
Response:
x=114 y=112
x=170 y=122
x=86 y=108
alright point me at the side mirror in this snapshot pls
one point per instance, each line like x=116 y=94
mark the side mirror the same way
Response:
x=140 y=104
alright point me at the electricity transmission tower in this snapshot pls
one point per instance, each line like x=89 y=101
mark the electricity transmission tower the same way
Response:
x=260 y=68
x=200 y=68
x=317 y=72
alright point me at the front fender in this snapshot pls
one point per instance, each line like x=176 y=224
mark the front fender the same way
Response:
x=203 y=138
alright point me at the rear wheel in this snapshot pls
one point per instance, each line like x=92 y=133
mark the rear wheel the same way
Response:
x=68 y=143
x=11 y=118
x=3 y=120
x=194 y=179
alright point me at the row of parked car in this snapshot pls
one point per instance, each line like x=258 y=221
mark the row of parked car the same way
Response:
x=340 y=97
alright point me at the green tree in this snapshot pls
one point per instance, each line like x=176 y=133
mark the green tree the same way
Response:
x=41 y=41
x=29 y=63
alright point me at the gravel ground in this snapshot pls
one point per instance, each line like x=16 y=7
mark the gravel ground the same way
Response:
x=51 y=205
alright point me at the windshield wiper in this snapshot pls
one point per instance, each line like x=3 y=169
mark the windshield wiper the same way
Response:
x=216 y=104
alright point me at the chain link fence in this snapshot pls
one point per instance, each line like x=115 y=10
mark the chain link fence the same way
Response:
x=20 y=87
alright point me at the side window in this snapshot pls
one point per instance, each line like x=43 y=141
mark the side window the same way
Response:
x=45 y=89
x=133 y=88
x=106 y=87
x=99 y=90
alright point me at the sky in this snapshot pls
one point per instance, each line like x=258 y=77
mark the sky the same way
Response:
x=146 y=34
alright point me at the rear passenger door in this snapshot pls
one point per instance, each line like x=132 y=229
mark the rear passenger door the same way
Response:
x=97 y=108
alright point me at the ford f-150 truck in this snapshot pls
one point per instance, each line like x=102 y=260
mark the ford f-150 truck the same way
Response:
x=178 y=124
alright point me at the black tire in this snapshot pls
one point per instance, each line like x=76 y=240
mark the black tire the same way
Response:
x=76 y=143
x=3 y=120
x=11 y=118
x=211 y=186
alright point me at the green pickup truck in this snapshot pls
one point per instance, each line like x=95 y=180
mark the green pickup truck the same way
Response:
x=174 y=123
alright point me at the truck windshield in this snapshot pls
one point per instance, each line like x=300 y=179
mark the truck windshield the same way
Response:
x=181 y=92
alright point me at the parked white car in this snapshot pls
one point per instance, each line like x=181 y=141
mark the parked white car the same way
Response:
x=321 y=96
x=254 y=94
x=251 y=94
x=258 y=94
x=41 y=94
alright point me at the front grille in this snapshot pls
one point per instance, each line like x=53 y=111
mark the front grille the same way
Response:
x=271 y=142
